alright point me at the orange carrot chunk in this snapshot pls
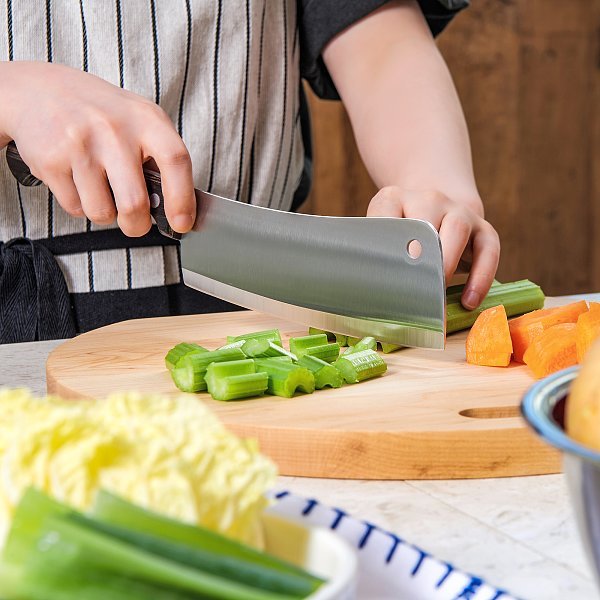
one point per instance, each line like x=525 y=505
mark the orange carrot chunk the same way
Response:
x=488 y=342
x=553 y=350
x=588 y=330
x=526 y=329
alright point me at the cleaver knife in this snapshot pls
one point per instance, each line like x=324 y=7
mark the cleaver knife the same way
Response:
x=351 y=275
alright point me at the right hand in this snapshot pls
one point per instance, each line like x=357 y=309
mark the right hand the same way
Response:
x=83 y=136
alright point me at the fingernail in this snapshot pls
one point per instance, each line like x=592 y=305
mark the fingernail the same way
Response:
x=471 y=299
x=182 y=222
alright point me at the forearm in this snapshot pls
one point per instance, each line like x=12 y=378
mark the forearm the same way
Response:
x=402 y=103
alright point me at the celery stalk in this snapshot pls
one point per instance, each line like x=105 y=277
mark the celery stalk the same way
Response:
x=264 y=348
x=366 y=343
x=190 y=370
x=235 y=380
x=285 y=378
x=360 y=366
x=332 y=337
x=272 y=335
x=517 y=297
x=387 y=348
x=326 y=352
x=324 y=373
x=175 y=353
x=230 y=345
x=352 y=341
x=299 y=345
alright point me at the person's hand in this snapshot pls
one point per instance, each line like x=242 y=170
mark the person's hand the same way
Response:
x=80 y=134
x=467 y=238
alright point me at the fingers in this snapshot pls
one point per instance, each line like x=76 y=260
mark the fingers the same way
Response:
x=386 y=203
x=175 y=166
x=131 y=195
x=486 y=255
x=455 y=233
x=96 y=200
x=66 y=194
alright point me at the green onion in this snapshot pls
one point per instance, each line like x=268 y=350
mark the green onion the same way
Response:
x=517 y=297
x=264 y=348
x=285 y=378
x=366 y=343
x=110 y=508
x=272 y=335
x=234 y=380
x=175 y=353
x=360 y=366
x=332 y=337
x=189 y=371
x=324 y=373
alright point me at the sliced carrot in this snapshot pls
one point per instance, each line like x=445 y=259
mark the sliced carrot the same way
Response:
x=526 y=329
x=588 y=330
x=553 y=350
x=488 y=342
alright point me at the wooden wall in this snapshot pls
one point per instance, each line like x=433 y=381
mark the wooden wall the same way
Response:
x=528 y=74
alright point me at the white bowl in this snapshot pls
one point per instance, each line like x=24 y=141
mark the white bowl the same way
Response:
x=316 y=549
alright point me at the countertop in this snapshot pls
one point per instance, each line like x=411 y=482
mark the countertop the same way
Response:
x=518 y=533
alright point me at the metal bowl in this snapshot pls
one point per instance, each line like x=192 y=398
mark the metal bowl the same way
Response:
x=543 y=408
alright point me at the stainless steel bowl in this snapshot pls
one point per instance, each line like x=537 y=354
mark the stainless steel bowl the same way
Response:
x=543 y=408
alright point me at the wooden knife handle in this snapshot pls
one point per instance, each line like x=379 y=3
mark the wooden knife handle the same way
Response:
x=153 y=183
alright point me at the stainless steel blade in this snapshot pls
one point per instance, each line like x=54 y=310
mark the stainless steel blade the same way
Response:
x=344 y=274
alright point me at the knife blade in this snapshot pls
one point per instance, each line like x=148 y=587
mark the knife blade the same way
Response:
x=352 y=275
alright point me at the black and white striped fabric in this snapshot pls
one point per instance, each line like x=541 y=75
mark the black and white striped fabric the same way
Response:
x=228 y=73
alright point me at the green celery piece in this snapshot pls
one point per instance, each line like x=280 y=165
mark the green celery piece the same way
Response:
x=518 y=297
x=238 y=387
x=360 y=366
x=104 y=551
x=387 y=348
x=218 y=370
x=231 y=569
x=190 y=369
x=272 y=335
x=263 y=348
x=285 y=378
x=299 y=345
x=324 y=373
x=326 y=352
x=230 y=345
x=112 y=509
x=366 y=343
x=332 y=337
x=352 y=341
x=175 y=353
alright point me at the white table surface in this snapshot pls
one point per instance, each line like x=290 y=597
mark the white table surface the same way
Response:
x=518 y=533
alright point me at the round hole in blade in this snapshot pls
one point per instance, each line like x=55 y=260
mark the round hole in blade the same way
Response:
x=414 y=249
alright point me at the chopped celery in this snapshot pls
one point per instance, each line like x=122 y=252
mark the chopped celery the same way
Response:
x=175 y=353
x=517 y=297
x=230 y=345
x=234 y=380
x=332 y=337
x=326 y=352
x=298 y=345
x=190 y=369
x=387 y=348
x=315 y=345
x=324 y=373
x=285 y=378
x=118 y=511
x=360 y=366
x=272 y=335
x=352 y=341
x=263 y=348
x=366 y=343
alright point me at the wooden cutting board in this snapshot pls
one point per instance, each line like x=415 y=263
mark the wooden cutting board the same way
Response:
x=432 y=416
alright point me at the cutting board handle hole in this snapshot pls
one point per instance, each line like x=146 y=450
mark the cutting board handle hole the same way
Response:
x=491 y=412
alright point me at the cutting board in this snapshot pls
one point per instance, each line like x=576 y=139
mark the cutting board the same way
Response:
x=431 y=416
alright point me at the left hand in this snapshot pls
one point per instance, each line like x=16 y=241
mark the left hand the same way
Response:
x=467 y=238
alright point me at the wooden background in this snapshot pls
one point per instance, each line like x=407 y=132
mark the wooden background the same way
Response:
x=527 y=72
